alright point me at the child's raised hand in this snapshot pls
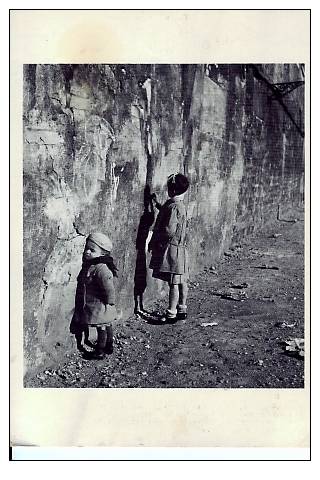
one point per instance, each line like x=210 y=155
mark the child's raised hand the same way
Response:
x=150 y=246
x=155 y=199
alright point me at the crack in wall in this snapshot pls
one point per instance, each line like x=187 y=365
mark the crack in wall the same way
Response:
x=146 y=129
x=44 y=290
x=79 y=184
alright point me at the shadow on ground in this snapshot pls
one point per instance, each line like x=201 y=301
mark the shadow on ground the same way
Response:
x=241 y=311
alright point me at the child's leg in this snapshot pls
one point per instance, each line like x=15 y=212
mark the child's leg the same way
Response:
x=79 y=341
x=141 y=302
x=86 y=333
x=182 y=306
x=109 y=343
x=183 y=293
x=173 y=300
x=86 y=337
x=101 y=343
x=136 y=303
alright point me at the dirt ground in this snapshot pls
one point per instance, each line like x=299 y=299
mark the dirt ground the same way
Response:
x=252 y=302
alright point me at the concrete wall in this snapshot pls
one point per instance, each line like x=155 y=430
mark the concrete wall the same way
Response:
x=96 y=135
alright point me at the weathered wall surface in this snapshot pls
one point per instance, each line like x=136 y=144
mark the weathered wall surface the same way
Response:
x=96 y=135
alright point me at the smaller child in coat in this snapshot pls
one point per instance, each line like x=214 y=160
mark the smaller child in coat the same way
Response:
x=169 y=259
x=95 y=295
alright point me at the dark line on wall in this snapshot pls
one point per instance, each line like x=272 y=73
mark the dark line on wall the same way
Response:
x=259 y=76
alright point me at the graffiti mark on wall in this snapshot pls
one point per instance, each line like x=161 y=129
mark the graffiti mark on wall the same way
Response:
x=91 y=158
x=114 y=185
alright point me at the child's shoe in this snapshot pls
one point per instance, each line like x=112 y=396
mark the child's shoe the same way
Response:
x=97 y=355
x=89 y=343
x=99 y=352
x=109 y=348
x=170 y=317
x=182 y=312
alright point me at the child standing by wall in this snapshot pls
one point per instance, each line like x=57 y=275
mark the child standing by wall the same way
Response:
x=95 y=295
x=169 y=259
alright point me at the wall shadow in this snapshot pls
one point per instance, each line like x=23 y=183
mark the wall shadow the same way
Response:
x=140 y=274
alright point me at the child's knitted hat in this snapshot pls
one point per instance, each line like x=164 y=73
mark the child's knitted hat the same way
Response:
x=101 y=240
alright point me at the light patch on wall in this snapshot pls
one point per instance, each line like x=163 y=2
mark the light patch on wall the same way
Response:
x=130 y=145
x=171 y=163
x=43 y=134
x=233 y=185
x=80 y=103
x=232 y=198
x=214 y=198
x=213 y=108
x=191 y=209
x=62 y=207
x=99 y=133
x=147 y=87
x=61 y=269
x=208 y=202
x=90 y=160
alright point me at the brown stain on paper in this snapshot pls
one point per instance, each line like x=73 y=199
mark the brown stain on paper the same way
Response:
x=88 y=43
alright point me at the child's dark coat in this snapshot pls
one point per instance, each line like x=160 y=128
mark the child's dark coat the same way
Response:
x=95 y=297
x=168 y=242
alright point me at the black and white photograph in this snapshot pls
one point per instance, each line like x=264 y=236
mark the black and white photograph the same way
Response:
x=163 y=225
x=160 y=230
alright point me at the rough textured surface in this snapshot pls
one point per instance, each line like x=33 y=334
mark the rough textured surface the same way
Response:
x=240 y=317
x=96 y=135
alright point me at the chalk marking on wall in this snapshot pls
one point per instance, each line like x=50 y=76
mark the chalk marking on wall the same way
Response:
x=98 y=139
x=114 y=185
x=140 y=110
x=90 y=177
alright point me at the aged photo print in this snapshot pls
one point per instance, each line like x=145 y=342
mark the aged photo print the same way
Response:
x=160 y=219
x=184 y=186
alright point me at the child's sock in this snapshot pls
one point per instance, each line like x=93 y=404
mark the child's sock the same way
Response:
x=86 y=338
x=171 y=313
